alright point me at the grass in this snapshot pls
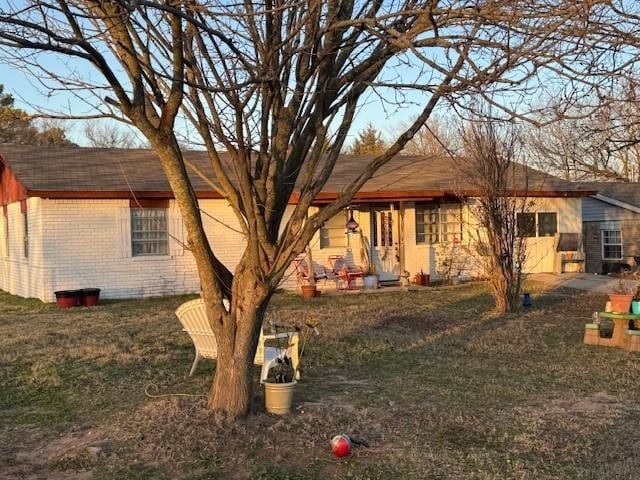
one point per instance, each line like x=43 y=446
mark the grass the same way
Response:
x=438 y=388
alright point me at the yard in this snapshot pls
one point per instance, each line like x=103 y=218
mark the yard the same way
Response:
x=438 y=388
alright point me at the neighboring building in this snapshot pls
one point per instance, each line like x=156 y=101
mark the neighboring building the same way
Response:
x=611 y=226
x=106 y=218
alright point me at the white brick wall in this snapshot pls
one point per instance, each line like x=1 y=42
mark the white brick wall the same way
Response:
x=86 y=243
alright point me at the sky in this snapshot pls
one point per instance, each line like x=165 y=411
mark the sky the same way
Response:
x=28 y=93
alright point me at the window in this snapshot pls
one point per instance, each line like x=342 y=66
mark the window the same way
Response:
x=526 y=223
x=544 y=224
x=25 y=238
x=547 y=224
x=333 y=232
x=438 y=223
x=611 y=240
x=149 y=232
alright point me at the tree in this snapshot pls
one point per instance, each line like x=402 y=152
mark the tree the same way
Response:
x=368 y=142
x=489 y=167
x=17 y=127
x=432 y=140
x=108 y=135
x=277 y=85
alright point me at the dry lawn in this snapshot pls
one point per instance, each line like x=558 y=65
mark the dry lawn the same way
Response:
x=439 y=389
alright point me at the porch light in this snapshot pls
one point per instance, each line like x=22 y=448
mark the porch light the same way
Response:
x=352 y=225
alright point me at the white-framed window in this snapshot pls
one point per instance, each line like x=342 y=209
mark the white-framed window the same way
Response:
x=438 y=223
x=540 y=224
x=333 y=232
x=611 y=233
x=149 y=234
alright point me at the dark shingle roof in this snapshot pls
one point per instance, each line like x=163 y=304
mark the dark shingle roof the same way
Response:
x=73 y=169
x=623 y=192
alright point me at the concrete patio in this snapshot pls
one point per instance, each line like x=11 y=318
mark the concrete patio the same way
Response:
x=583 y=281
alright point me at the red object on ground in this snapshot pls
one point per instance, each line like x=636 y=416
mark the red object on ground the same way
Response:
x=67 y=298
x=90 y=297
x=341 y=445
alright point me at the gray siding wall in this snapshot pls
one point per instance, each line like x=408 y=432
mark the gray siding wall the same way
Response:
x=594 y=210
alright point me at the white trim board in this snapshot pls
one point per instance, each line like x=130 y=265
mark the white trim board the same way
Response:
x=617 y=203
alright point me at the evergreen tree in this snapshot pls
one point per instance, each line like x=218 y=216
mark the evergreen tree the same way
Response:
x=368 y=142
x=17 y=127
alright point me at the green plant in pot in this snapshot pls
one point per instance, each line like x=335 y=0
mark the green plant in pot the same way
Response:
x=280 y=384
x=635 y=303
x=621 y=298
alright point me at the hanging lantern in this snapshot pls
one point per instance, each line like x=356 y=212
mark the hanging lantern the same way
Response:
x=352 y=225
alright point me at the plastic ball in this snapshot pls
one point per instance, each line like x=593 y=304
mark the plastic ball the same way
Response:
x=341 y=445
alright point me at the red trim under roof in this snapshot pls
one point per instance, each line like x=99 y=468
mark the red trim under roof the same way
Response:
x=322 y=198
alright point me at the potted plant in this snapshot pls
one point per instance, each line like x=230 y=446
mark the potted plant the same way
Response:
x=308 y=285
x=280 y=384
x=635 y=303
x=621 y=298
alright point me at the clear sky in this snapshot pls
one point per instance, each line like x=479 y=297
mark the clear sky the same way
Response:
x=28 y=92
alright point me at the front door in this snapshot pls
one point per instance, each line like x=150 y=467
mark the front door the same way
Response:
x=384 y=242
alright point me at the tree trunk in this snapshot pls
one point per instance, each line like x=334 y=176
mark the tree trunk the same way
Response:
x=237 y=337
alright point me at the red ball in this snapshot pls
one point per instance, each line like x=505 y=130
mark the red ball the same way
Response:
x=341 y=445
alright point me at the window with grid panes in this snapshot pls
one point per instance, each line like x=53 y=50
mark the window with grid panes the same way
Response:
x=149 y=234
x=438 y=223
x=611 y=241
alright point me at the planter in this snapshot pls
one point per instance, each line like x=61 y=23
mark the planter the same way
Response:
x=635 y=307
x=68 y=298
x=620 y=303
x=278 y=397
x=308 y=291
x=421 y=279
x=370 y=282
x=90 y=297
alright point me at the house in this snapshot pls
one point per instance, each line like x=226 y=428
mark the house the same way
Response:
x=611 y=226
x=106 y=218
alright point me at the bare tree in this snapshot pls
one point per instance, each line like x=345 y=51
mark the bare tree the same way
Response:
x=108 y=135
x=277 y=85
x=432 y=140
x=490 y=168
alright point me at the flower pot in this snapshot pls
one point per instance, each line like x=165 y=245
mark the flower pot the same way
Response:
x=67 y=298
x=90 y=297
x=370 y=282
x=620 y=303
x=309 y=291
x=635 y=307
x=278 y=397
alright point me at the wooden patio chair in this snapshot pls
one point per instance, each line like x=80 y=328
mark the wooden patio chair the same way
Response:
x=344 y=272
x=193 y=317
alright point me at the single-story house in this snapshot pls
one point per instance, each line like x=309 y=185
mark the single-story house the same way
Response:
x=105 y=218
x=611 y=224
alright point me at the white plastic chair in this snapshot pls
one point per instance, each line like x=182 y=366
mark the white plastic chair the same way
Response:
x=193 y=317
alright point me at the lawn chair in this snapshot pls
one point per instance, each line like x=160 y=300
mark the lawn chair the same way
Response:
x=302 y=271
x=346 y=274
x=193 y=317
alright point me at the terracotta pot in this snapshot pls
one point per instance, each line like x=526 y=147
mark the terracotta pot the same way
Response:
x=620 y=303
x=278 y=397
x=309 y=291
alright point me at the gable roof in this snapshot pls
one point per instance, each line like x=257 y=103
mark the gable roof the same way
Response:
x=624 y=195
x=74 y=172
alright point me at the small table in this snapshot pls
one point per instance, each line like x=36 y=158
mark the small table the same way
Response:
x=620 y=327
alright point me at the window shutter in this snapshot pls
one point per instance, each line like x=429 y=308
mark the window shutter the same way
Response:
x=124 y=232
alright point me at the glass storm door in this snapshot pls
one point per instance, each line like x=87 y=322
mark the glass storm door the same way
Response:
x=384 y=242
